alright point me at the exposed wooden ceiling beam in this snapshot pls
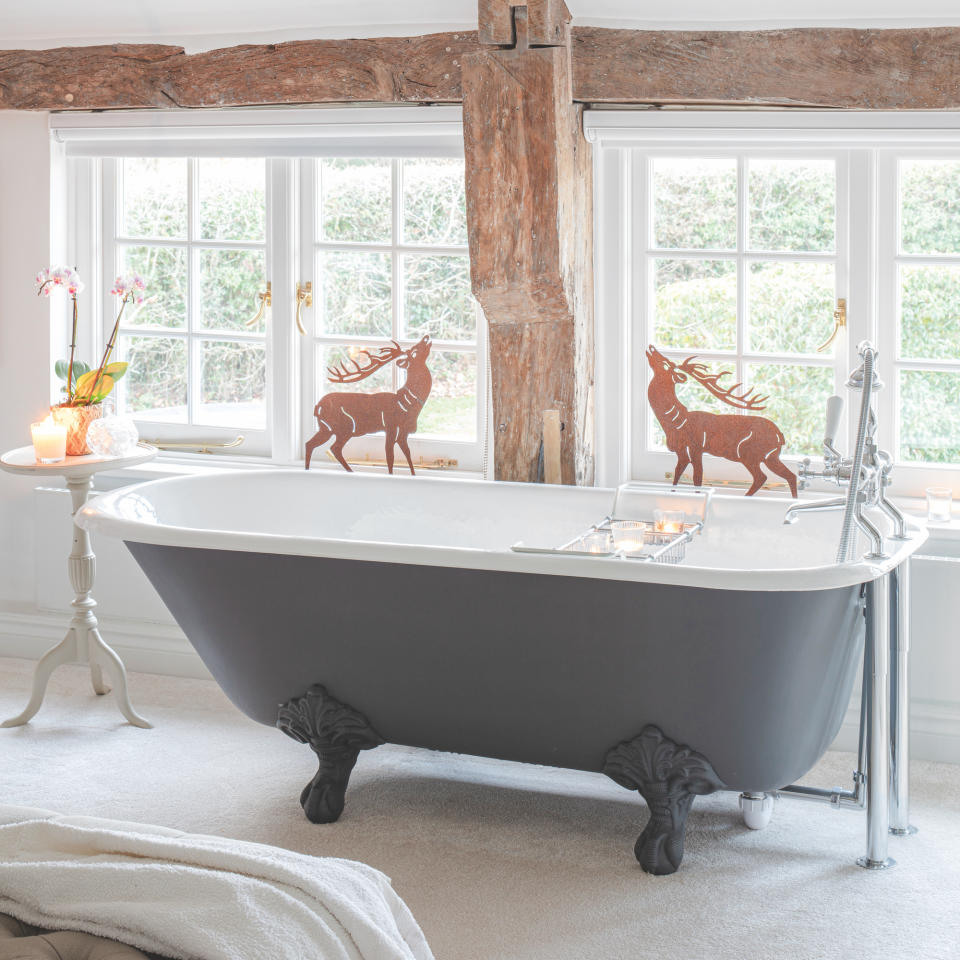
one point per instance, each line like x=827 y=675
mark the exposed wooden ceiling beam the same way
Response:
x=423 y=69
x=811 y=67
x=547 y=22
x=822 y=67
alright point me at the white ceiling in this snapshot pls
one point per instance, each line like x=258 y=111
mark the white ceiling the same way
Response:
x=200 y=24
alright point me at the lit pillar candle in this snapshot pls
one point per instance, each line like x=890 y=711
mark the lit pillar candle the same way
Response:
x=49 y=441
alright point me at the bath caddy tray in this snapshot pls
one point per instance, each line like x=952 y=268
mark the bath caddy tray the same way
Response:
x=623 y=537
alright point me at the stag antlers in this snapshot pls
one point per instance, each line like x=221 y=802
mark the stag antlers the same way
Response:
x=743 y=401
x=379 y=358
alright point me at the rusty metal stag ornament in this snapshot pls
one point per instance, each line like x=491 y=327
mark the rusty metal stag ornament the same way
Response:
x=749 y=440
x=346 y=415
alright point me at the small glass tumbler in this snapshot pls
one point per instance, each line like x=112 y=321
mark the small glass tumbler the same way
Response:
x=628 y=535
x=599 y=542
x=49 y=441
x=939 y=504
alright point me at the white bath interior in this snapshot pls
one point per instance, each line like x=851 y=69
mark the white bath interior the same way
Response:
x=744 y=543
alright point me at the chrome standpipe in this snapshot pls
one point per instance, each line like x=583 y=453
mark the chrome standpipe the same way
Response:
x=900 y=703
x=866 y=474
x=878 y=726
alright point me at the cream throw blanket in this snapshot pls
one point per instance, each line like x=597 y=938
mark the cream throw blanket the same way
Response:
x=197 y=897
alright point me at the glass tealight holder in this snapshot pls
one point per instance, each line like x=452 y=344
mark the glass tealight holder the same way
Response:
x=939 y=504
x=628 y=535
x=599 y=542
x=49 y=441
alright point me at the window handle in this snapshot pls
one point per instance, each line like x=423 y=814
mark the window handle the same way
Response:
x=304 y=299
x=266 y=300
x=839 y=322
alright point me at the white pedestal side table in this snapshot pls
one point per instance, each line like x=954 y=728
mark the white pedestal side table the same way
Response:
x=83 y=641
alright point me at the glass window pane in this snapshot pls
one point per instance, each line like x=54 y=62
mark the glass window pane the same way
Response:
x=164 y=269
x=694 y=204
x=792 y=204
x=153 y=197
x=696 y=397
x=437 y=298
x=434 y=202
x=355 y=293
x=155 y=385
x=229 y=283
x=334 y=356
x=797 y=402
x=930 y=206
x=232 y=198
x=232 y=384
x=695 y=304
x=451 y=409
x=790 y=306
x=355 y=200
x=930 y=312
x=929 y=416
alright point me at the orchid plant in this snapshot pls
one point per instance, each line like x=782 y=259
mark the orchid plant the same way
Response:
x=84 y=385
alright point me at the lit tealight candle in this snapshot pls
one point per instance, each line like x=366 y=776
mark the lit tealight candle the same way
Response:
x=668 y=521
x=49 y=441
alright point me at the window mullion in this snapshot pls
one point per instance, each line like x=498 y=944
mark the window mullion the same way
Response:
x=307 y=178
x=742 y=303
x=193 y=352
x=885 y=334
x=280 y=270
x=396 y=192
x=640 y=297
x=107 y=262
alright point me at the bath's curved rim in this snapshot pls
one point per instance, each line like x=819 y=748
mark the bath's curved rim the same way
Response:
x=103 y=515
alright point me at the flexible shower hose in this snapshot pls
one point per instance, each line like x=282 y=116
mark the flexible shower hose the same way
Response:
x=846 y=531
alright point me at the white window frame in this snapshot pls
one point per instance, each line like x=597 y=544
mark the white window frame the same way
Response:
x=866 y=142
x=312 y=242
x=290 y=140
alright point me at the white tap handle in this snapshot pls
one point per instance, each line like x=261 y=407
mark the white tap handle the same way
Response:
x=834 y=413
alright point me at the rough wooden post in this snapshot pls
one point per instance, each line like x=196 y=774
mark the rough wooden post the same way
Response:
x=530 y=220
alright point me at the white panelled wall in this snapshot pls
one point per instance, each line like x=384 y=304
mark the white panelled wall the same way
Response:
x=34 y=523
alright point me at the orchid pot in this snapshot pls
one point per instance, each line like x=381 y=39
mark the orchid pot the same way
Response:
x=77 y=420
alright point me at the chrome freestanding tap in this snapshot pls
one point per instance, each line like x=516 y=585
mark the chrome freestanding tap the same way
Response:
x=882 y=778
x=866 y=474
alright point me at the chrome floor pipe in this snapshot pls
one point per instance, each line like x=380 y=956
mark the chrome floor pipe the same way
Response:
x=838 y=798
x=841 y=799
x=878 y=725
x=900 y=702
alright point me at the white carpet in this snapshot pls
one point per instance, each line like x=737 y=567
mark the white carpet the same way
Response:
x=502 y=861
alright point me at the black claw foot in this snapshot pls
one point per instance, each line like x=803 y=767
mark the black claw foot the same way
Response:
x=668 y=776
x=336 y=734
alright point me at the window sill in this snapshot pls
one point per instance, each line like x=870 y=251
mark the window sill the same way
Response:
x=180 y=465
x=916 y=507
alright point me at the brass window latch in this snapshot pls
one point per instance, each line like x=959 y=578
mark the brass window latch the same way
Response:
x=839 y=322
x=266 y=300
x=304 y=299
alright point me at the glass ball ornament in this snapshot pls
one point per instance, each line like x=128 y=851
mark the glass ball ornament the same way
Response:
x=113 y=437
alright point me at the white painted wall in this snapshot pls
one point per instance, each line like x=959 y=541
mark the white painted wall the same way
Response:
x=216 y=23
x=24 y=333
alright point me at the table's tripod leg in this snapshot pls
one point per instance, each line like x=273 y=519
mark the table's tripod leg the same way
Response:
x=118 y=676
x=100 y=686
x=96 y=678
x=63 y=652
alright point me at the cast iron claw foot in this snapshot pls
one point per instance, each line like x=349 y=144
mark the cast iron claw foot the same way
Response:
x=336 y=734
x=668 y=776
